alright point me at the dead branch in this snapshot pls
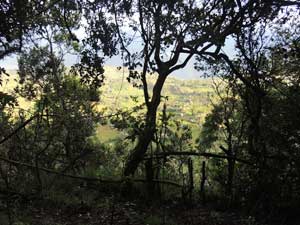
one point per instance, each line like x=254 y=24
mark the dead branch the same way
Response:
x=18 y=129
x=92 y=179
x=204 y=154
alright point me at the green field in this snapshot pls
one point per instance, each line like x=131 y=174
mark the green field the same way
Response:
x=187 y=100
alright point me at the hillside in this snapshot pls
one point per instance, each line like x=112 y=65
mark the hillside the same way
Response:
x=187 y=100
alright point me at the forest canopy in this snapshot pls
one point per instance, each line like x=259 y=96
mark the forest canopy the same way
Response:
x=230 y=139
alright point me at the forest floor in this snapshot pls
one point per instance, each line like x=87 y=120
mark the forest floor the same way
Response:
x=111 y=212
x=126 y=213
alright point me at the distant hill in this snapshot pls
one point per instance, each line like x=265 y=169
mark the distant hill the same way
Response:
x=188 y=100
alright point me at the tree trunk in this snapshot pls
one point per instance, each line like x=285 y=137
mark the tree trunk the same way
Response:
x=191 y=179
x=146 y=136
x=202 y=184
x=139 y=151
x=149 y=178
x=230 y=176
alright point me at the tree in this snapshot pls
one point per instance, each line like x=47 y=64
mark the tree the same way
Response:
x=171 y=33
x=224 y=131
x=263 y=75
x=63 y=116
x=21 y=19
x=24 y=23
x=58 y=136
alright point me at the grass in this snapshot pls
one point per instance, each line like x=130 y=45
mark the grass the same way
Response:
x=106 y=133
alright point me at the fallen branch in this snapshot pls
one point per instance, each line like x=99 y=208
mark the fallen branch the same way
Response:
x=9 y=193
x=204 y=154
x=18 y=129
x=92 y=179
x=168 y=182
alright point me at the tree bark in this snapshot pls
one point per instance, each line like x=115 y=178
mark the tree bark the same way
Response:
x=202 y=184
x=140 y=149
x=230 y=176
x=147 y=134
x=191 y=179
x=149 y=178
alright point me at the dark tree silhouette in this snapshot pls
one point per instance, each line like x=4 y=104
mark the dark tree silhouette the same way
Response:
x=171 y=33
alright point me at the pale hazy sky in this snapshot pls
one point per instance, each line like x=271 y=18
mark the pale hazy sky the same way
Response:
x=10 y=63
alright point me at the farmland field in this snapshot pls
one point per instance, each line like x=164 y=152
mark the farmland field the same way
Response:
x=187 y=100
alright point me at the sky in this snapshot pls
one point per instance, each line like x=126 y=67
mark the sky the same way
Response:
x=10 y=63
x=188 y=73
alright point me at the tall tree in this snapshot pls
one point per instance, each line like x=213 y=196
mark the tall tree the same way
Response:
x=265 y=74
x=160 y=37
x=224 y=132
x=27 y=23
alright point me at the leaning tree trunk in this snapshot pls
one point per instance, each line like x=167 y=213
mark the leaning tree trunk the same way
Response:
x=146 y=136
x=140 y=149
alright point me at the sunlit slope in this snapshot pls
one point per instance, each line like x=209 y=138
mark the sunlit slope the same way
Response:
x=187 y=99
x=9 y=83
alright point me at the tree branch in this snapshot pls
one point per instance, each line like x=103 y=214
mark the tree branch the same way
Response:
x=205 y=154
x=18 y=129
x=92 y=179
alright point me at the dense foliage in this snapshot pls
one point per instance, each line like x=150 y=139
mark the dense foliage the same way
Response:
x=247 y=150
